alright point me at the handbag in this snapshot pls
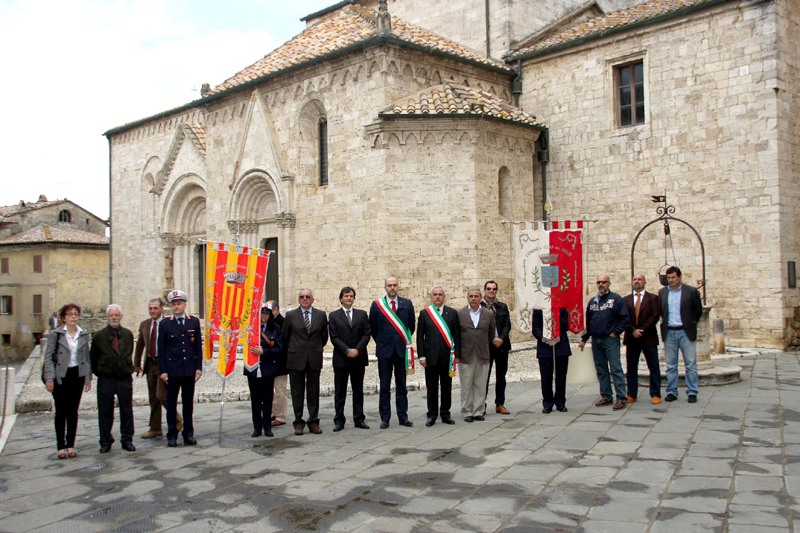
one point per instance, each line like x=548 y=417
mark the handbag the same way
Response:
x=54 y=357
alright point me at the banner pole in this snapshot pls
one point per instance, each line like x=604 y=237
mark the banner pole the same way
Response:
x=221 y=411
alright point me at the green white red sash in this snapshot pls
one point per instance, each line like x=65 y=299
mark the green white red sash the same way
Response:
x=391 y=316
x=448 y=337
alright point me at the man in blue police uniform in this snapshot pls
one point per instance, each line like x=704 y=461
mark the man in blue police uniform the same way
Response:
x=180 y=365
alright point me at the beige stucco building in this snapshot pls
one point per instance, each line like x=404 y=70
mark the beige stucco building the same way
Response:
x=52 y=253
x=374 y=144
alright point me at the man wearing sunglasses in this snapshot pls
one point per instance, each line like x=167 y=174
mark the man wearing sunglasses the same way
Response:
x=606 y=319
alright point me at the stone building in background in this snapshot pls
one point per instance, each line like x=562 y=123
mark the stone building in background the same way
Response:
x=374 y=144
x=51 y=253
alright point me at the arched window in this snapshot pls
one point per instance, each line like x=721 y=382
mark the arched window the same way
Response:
x=323 y=152
x=65 y=216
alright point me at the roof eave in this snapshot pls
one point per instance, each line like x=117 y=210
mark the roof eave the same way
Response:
x=396 y=116
x=375 y=40
x=613 y=31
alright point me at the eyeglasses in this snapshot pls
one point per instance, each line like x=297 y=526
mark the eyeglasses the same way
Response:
x=602 y=282
x=490 y=289
x=304 y=297
x=73 y=314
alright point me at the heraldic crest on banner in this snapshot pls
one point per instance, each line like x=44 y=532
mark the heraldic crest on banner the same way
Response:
x=235 y=277
x=548 y=270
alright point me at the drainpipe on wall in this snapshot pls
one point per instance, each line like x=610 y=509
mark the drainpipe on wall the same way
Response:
x=488 y=32
x=544 y=156
x=110 y=247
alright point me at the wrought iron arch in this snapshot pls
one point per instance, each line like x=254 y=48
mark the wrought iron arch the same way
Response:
x=665 y=214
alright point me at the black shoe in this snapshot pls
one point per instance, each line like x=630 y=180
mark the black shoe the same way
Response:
x=256 y=433
x=129 y=447
x=384 y=425
x=430 y=422
x=692 y=398
x=547 y=410
x=338 y=427
x=448 y=421
x=562 y=408
x=478 y=418
x=407 y=423
x=362 y=425
x=268 y=432
x=671 y=397
x=189 y=441
x=467 y=419
x=105 y=448
x=172 y=443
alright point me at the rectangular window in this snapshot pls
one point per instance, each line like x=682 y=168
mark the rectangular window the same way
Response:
x=37 y=264
x=37 y=304
x=5 y=305
x=630 y=93
x=4 y=265
x=6 y=339
x=323 y=152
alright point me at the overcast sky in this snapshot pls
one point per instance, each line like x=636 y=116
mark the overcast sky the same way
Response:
x=72 y=69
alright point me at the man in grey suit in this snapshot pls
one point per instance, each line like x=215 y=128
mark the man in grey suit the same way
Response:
x=681 y=309
x=477 y=330
x=349 y=331
x=305 y=333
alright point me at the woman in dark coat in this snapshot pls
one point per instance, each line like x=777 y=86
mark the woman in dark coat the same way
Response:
x=261 y=379
x=550 y=357
x=67 y=373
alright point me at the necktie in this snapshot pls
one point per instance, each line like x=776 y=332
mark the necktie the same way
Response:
x=307 y=321
x=115 y=340
x=349 y=318
x=153 y=339
x=394 y=307
x=638 y=306
x=180 y=321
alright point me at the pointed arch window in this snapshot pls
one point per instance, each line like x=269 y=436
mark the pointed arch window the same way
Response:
x=323 y=152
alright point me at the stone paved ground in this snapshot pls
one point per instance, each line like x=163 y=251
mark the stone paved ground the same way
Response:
x=730 y=462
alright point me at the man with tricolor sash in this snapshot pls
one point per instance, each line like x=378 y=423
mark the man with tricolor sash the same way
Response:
x=391 y=322
x=437 y=350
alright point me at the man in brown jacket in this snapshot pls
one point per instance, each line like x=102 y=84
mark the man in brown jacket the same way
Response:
x=146 y=343
x=644 y=309
x=477 y=330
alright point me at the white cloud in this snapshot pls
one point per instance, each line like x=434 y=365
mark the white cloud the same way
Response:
x=71 y=70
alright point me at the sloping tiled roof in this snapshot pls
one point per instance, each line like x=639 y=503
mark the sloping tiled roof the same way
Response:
x=46 y=233
x=452 y=99
x=616 y=20
x=351 y=25
x=8 y=210
x=197 y=134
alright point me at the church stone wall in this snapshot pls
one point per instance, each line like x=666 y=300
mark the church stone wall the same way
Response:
x=710 y=141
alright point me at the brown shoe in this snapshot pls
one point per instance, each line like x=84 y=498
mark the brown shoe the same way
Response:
x=315 y=429
x=619 y=404
x=603 y=401
x=152 y=433
x=631 y=399
x=502 y=410
x=276 y=423
x=298 y=431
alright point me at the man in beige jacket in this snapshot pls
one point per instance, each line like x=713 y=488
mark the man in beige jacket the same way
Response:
x=477 y=329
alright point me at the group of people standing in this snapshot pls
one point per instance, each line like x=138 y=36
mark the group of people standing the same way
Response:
x=469 y=341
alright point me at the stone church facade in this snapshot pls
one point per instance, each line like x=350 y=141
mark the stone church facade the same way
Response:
x=374 y=145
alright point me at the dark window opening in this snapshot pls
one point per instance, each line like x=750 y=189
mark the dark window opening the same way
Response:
x=6 y=307
x=4 y=269
x=6 y=339
x=630 y=93
x=64 y=216
x=37 y=304
x=37 y=264
x=323 y=152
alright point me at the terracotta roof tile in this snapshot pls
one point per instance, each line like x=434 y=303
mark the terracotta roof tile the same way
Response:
x=197 y=134
x=615 y=20
x=46 y=233
x=351 y=25
x=454 y=99
x=8 y=210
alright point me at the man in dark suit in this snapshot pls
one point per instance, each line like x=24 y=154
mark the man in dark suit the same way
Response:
x=112 y=362
x=641 y=337
x=681 y=309
x=157 y=389
x=437 y=348
x=349 y=332
x=305 y=333
x=553 y=358
x=391 y=323
x=180 y=363
x=500 y=347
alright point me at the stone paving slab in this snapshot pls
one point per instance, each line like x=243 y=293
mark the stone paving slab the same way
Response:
x=729 y=463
